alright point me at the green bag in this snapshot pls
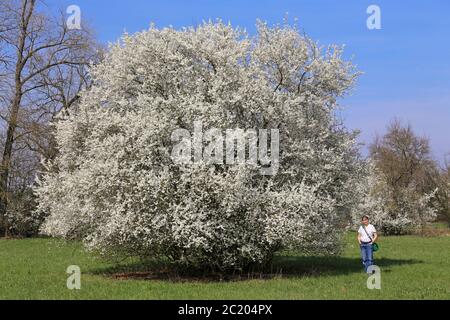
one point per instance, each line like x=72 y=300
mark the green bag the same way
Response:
x=375 y=247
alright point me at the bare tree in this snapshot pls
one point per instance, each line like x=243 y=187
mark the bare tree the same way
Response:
x=402 y=156
x=405 y=163
x=43 y=67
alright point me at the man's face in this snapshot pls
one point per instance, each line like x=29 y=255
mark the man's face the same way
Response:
x=365 y=221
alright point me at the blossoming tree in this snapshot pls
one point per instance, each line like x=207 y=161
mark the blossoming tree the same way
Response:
x=393 y=212
x=115 y=185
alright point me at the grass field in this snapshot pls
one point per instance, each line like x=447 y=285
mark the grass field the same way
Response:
x=412 y=267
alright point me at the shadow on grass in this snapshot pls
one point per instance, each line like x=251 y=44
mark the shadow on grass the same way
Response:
x=330 y=266
x=282 y=267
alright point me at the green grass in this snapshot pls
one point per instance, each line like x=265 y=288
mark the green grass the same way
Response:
x=412 y=267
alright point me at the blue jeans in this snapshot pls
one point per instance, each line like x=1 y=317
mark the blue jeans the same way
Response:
x=366 y=255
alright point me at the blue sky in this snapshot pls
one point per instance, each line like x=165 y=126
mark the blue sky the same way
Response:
x=406 y=64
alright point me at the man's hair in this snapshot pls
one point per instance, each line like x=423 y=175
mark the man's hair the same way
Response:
x=365 y=217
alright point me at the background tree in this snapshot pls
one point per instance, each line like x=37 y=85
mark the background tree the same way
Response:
x=440 y=177
x=399 y=187
x=43 y=66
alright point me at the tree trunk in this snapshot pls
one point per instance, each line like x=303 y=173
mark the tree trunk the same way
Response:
x=26 y=12
x=6 y=159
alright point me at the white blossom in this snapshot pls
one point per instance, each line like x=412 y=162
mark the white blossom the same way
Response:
x=391 y=211
x=114 y=183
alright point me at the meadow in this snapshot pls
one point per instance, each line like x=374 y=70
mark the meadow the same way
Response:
x=412 y=267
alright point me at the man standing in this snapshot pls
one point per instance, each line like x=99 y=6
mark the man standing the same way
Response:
x=367 y=235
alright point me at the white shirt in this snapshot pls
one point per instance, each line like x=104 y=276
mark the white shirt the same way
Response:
x=370 y=230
